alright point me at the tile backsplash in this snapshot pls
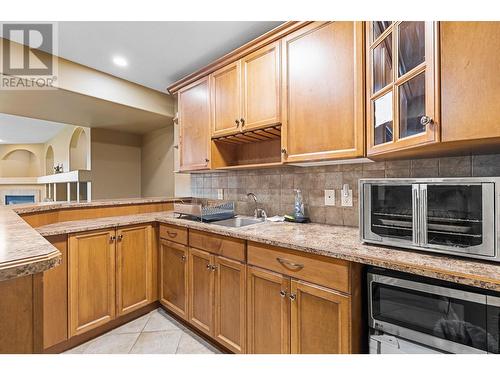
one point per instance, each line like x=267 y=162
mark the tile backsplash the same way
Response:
x=274 y=187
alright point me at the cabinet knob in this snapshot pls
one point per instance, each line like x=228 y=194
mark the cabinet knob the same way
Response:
x=292 y=296
x=183 y=258
x=237 y=122
x=207 y=160
x=425 y=120
x=120 y=237
x=214 y=268
x=283 y=150
x=112 y=239
x=242 y=122
x=282 y=293
x=209 y=267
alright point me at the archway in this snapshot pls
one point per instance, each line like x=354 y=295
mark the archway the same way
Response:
x=19 y=163
x=49 y=161
x=78 y=150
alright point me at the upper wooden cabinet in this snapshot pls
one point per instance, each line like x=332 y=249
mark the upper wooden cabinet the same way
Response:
x=470 y=80
x=91 y=280
x=245 y=95
x=194 y=121
x=401 y=85
x=260 y=86
x=226 y=100
x=322 y=70
x=134 y=268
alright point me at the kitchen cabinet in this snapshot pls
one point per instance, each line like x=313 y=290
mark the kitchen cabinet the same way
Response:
x=201 y=290
x=91 y=280
x=110 y=273
x=470 y=82
x=246 y=93
x=320 y=320
x=134 y=268
x=225 y=100
x=194 y=122
x=323 y=94
x=401 y=85
x=174 y=277
x=230 y=304
x=268 y=312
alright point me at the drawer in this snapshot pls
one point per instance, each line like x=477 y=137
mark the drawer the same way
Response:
x=331 y=273
x=174 y=233
x=233 y=248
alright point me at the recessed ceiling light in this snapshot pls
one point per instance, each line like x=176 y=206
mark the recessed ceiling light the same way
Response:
x=120 y=61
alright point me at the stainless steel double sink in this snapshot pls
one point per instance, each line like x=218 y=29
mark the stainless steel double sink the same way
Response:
x=238 y=222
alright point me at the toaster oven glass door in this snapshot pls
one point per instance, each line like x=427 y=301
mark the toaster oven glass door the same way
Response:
x=390 y=213
x=458 y=218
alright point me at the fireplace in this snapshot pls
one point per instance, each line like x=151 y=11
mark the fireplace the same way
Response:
x=19 y=199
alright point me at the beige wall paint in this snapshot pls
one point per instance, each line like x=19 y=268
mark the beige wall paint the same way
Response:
x=21 y=160
x=157 y=163
x=61 y=146
x=116 y=164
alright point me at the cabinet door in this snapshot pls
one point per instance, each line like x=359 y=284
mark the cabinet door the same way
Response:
x=320 y=322
x=194 y=122
x=230 y=304
x=134 y=262
x=201 y=290
x=226 y=100
x=268 y=312
x=174 y=277
x=260 y=80
x=322 y=70
x=91 y=280
x=401 y=85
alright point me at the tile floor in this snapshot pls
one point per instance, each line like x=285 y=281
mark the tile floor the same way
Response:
x=154 y=333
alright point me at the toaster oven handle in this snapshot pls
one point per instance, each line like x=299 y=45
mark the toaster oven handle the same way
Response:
x=416 y=215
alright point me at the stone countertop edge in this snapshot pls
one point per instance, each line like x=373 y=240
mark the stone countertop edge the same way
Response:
x=24 y=251
x=320 y=239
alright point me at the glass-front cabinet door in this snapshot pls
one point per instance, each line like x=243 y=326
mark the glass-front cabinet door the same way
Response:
x=401 y=85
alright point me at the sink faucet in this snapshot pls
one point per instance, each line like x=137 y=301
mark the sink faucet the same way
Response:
x=258 y=212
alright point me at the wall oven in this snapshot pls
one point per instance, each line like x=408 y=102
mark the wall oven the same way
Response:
x=432 y=313
x=447 y=215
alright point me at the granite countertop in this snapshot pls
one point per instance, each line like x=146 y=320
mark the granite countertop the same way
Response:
x=327 y=240
x=24 y=251
x=47 y=206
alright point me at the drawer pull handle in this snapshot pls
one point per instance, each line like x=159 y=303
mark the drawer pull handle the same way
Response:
x=171 y=234
x=183 y=258
x=282 y=293
x=292 y=296
x=290 y=265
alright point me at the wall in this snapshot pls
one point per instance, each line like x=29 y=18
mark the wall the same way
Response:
x=275 y=187
x=18 y=160
x=116 y=164
x=61 y=147
x=157 y=163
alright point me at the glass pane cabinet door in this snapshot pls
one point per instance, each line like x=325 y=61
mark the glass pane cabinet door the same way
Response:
x=378 y=27
x=383 y=119
x=412 y=106
x=391 y=212
x=411 y=46
x=461 y=216
x=382 y=64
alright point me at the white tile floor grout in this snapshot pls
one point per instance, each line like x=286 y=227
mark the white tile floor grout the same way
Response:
x=153 y=333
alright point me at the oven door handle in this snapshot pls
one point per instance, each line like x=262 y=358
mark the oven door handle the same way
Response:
x=427 y=288
x=423 y=214
x=416 y=214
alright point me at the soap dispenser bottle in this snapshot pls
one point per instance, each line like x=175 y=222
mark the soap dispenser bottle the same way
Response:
x=299 y=205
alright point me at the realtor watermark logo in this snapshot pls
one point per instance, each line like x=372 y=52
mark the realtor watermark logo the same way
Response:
x=29 y=53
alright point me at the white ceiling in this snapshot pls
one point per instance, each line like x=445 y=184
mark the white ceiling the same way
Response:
x=20 y=130
x=158 y=53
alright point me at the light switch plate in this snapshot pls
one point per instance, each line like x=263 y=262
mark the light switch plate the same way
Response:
x=329 y=197
x=346 y=199
x=220 y=193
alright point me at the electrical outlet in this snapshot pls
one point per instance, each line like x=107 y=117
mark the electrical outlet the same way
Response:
x=329 y=197
x=346 y=198
x=220 y=193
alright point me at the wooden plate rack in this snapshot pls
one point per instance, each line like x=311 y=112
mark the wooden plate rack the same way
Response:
x=252 y=136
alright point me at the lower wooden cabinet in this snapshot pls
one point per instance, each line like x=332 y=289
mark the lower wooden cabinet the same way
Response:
x=230 y=304
x=268 y=312
x=91 y=280
x=134 y=268
x=320 y=320
x=110 y=273
x=174 y=277
x=286 y=315
x=201 y=290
